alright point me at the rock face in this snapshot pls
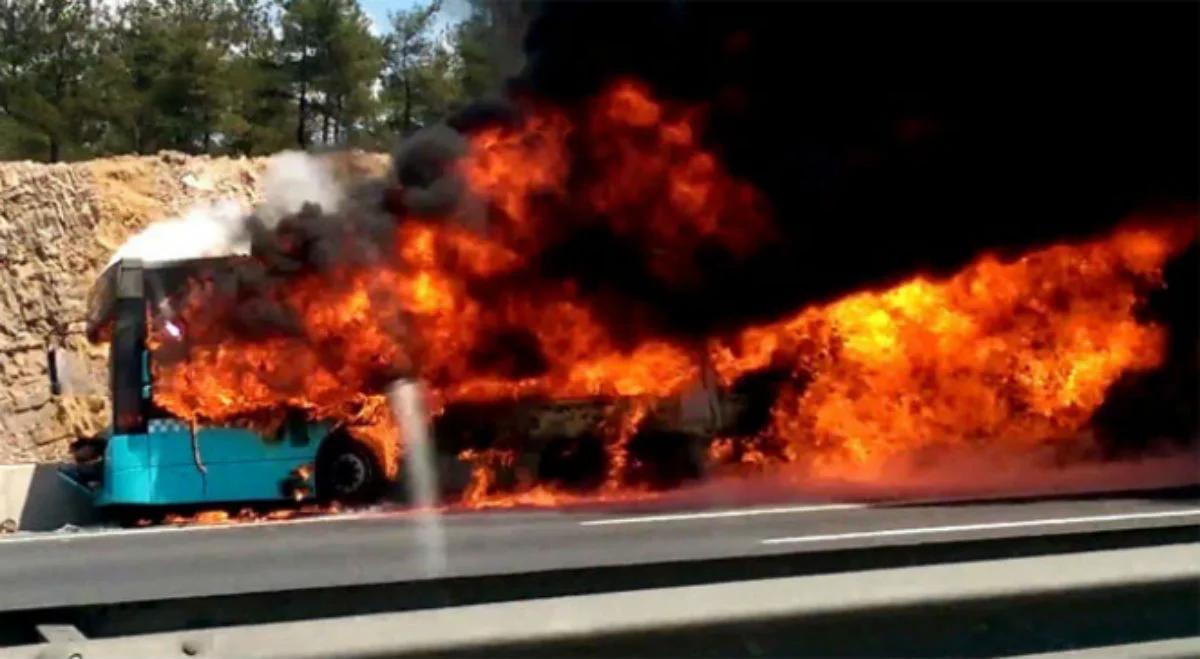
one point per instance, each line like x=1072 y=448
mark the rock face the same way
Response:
x=59 y=225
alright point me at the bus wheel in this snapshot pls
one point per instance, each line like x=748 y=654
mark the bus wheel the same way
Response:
x=130 y=517
x=348 y=471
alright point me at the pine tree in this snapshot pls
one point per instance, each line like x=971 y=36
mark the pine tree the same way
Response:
x=488 y=42
x=307 y=27
x=409 y=84
x=46 y=51
x=81 y=78
x=192 y=93
x=260 y=114
x=164 y=69
x=333 y=62
x=354 y=59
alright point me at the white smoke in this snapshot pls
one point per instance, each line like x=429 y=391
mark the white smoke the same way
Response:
x=293 y=179
x=210 y=229
x=220 y=228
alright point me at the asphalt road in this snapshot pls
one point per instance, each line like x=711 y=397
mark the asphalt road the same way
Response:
x=95 y=567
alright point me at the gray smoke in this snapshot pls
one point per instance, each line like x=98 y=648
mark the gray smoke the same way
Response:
x=424 y=166
x=294 y=179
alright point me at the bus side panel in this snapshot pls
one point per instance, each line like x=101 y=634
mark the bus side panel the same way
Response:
x=232 y=464
x=236 y=445
x=243 y=467
x=127 y=471
x=148 y=470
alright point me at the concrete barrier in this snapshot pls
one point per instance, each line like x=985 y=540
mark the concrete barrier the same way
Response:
x=33 y=497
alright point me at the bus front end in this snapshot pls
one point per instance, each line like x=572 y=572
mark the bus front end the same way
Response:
x=150 y=459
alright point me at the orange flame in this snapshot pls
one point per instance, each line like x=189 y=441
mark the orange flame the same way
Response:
x=1014 y=351
x=1005 y=351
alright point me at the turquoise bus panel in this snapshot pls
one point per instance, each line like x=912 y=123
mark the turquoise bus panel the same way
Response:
x=160 y=467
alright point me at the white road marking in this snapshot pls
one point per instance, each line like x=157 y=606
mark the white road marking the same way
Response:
x=722 y=514
x=66 y=536
x=928 y=530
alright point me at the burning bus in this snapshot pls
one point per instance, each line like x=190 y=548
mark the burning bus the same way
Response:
x=597 y=305
x=843 y=391
x=150 y=457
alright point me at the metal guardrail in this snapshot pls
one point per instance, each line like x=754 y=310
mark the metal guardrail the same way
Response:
x=1176 y=648
x=593 y=618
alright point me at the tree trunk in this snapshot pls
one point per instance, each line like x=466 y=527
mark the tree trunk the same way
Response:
x=207 y=130
x=302 y=121
x=302 y=124
x=325 y=128
x=59 y=94
x=338 y=121
x=407 y=124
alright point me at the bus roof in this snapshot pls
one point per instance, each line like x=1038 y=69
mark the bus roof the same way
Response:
x=157 y=278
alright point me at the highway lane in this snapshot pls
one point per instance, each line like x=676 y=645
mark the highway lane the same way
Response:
x=72 y=569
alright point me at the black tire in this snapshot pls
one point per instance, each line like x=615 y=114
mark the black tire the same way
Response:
x=348 y=472
x=132 y=517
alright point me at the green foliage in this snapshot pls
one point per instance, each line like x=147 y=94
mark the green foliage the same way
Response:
x=331 y=61
x=84 y=78
x=164 y=69
x=44 y=60
x=421 y=79
x=260 y=115
x=488 y=42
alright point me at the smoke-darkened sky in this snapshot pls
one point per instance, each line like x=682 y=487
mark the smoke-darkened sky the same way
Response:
x=896 y=138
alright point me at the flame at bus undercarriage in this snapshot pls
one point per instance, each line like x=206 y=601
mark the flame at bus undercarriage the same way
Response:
x=1008 y=351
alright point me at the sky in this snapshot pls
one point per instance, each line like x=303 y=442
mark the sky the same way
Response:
x=377 y=10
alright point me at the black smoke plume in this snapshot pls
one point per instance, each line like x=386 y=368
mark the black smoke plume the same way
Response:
x=887 y=139
x=896 y=138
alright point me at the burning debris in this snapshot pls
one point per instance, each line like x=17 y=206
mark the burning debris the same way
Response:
x=216 y=517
